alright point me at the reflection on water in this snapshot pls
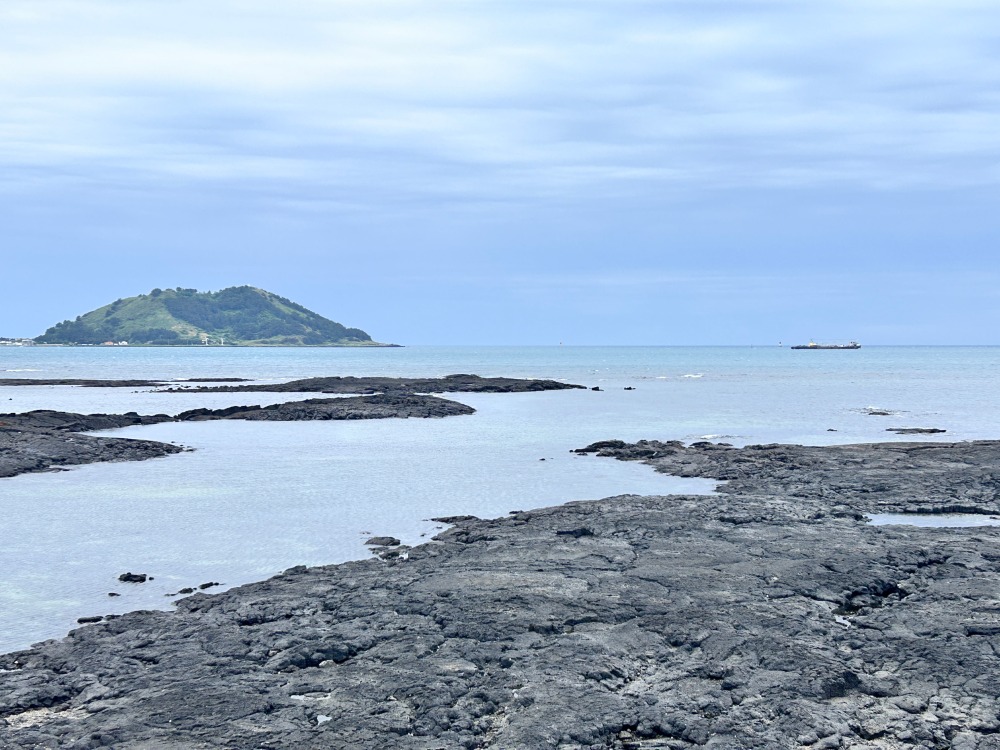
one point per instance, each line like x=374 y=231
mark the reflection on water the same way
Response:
x=935 y=520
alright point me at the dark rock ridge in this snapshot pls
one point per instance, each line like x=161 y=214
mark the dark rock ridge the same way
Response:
x=24 y=450
x=380 y=406
x=336 y=384
x=42 y=440
x=88 y=383
x=383 y=541
x=447 y=384
x=66 y=421
x=769 y=615
x=37 y=440
x=133 y=577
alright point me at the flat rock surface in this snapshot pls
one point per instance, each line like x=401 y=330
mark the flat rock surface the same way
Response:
x=27 y=450
x=769 y=615
x=379 y=406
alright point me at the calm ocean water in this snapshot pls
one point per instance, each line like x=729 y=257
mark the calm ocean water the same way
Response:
x=255 y=498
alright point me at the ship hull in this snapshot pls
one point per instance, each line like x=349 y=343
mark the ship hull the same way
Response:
x=827 y=346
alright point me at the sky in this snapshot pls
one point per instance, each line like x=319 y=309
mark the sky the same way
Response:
x=512 y=172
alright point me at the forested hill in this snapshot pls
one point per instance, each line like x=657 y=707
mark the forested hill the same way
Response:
x=240 y=315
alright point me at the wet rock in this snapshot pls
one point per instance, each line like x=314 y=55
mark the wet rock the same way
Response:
x=133 y=577
x=381 y=406
x=383 y=541
x=24 y=449
x=455 y=519
x=602 y=445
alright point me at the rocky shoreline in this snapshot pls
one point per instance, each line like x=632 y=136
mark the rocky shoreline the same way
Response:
x=46 y=440
x=367 y=385
x=768 y=615
x=97 y=383
x=461 y=383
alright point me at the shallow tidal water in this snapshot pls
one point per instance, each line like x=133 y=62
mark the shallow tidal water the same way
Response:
x=254 y=498
x=934 y=520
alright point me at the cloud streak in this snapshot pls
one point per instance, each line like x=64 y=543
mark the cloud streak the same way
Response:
x=393 y=100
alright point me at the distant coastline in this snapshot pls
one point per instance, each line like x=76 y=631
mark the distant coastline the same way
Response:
x=351 y=345
x=243 y=315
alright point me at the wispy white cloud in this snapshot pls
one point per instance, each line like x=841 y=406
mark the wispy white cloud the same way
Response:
x=393 y=99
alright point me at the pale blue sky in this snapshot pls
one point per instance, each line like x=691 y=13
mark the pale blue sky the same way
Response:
x=512 y=172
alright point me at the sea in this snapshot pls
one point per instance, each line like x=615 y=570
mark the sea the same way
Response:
x=254 y=498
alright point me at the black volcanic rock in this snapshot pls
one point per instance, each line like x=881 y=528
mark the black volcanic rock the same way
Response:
x=42 y=440
x=30 y=450
x=92 y=383
x=381 y=406
x=62 y=421
x=769 y=615
x=81 y=382
x=447 y=384
x=383 y=541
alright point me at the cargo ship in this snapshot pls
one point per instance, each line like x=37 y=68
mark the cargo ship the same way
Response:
x=814 y=345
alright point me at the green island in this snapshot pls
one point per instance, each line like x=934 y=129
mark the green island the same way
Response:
x=237 y=316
